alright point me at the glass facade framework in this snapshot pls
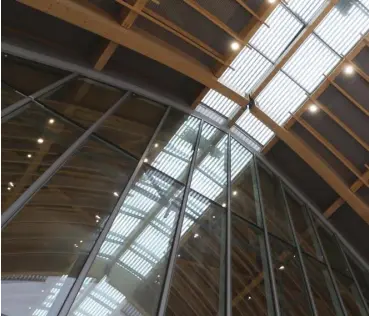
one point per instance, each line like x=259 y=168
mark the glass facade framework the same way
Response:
x=186 y=220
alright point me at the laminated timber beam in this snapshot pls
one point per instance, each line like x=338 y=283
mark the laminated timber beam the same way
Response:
x=337 y=70
x=92 y=19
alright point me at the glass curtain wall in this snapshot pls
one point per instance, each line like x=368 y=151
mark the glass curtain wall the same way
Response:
x=113 y=204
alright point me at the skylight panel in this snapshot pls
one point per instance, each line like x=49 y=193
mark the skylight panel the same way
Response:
x=210 y=113
x=306 y=10
x=343 y=26
x=246 y=70
x=311 y=61
x=220 y=103
x=279 y=97
x=251 y=125
x=283 y=28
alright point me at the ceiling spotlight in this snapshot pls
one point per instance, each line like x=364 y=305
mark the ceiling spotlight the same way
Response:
x=97 y=221
x=75 y=245
x=116 y=194
x=196 y=235
x=234 y=193
x=271 y=1
x=156 y=145
x=146 y=160
x=29 y=156
x=281 y=268
x=81 y=241
x=51 y=121
x=40 y=140
x=313 y=108
x=224 y=205
x=11 y=184
x=179 y=256
x=9 y=188
x=213 y=216
x=235 y=46
x=97 y=216
x=249 y=298
x=349 y=69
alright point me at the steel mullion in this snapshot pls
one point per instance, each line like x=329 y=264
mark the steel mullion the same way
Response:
x=18 y=204
x=17 y=105
x=299 y=252
x=177 y=234
x=365 y=305
x=94 y=251
x=325 y=258
x=277 y=310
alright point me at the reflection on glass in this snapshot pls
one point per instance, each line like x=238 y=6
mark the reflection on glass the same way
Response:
x=82 y=100
x=132 y=125
x=250 y=291
x=9 y=95
x=46 y=244
x=304 y=230
x=173 y=148
x=243 y=199
x=341 y=272
x=325 y=298
x=27 y=76
x=199 y=270
x=127 y=275
x=349 y=294
x=210 y=175
x=362 y=277
x=292 y=294
x=30 y=144
x=274 y=208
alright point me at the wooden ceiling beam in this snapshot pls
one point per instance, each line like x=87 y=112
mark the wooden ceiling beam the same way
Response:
x=133 y=14
x=309 y=29
x=320 y=166
x=331 y=148
x=339 y=122
x=347 y=96
x=319 y=91
x=356 y=186
x=261 y=19
x=97 y=21
x=175 y=30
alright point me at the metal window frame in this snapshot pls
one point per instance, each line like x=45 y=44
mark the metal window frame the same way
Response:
x=131 y=88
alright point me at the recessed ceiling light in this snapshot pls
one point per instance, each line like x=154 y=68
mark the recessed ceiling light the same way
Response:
x=11 y=184
x=40 y=140
x=156 y=145
x=81 y=241
x=213 y=216
x=271 y=1
x=348 y=69
x=281 y=268
x=234 y=193
x=116 y=194
x=224 y=205
x=249 y=298
x=313 y=108
x=146 y=160
x=29 y=156
x=9 y=189
x=235 y=46
x=196 y=235
x=51 y=121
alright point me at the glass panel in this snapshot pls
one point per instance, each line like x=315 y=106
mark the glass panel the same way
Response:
x=173 y=148
x=82 y=100
x=9 y=95
x=210 y=177
x=250 y=291
x=326 y=300
x=304 y=231
x=350 y=295
x=274 y=208
x=31 y=142
x=362 y=277
x=46 y=244
x=198 y=273
x=27 y=76
x=133 y=124
x=129 y=269
x=243 y=197
x=292 y=294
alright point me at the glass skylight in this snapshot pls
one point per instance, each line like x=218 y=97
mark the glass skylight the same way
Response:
x=220 y=103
